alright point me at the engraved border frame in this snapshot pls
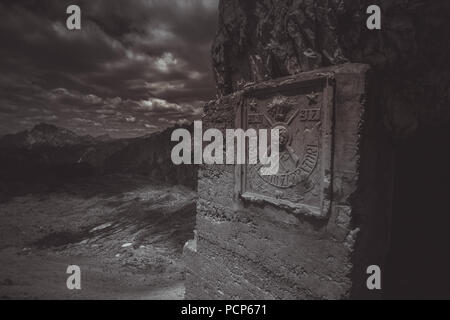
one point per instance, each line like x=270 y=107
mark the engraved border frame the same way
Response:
x=326 y=81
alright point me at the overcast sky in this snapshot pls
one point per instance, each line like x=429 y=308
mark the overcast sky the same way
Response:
x=135 y=66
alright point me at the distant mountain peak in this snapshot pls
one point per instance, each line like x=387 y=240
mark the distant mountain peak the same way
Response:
x=104 y=138
x=44 y=134
x=45 y=127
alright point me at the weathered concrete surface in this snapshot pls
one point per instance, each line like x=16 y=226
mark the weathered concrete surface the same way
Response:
x=258 y=251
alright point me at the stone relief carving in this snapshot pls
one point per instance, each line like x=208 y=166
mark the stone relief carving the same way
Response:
x=302 y=112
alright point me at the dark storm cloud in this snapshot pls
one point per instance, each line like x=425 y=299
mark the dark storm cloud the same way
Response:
x=135 y=66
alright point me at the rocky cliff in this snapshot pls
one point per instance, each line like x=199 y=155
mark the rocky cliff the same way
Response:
x=265 y=39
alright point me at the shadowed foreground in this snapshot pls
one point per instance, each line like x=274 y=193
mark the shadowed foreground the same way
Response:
x=126 y=235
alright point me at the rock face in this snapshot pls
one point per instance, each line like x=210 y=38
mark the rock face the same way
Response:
x=261 y=39
x=151 y=156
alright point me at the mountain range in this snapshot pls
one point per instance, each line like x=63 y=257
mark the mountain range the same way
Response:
x=47 y=152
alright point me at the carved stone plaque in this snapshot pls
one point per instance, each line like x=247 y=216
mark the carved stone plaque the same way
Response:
x=303 y=113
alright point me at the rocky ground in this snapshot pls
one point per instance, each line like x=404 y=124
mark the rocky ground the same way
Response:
x=125 y=234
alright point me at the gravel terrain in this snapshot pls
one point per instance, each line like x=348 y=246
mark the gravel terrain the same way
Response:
x=125 y=234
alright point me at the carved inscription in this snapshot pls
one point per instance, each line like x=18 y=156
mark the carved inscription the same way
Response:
x=255 y=118
x=302 y=115
x=296 y=176
x=310 y=115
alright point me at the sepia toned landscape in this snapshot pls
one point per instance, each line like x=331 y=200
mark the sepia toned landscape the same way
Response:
x=126 y=230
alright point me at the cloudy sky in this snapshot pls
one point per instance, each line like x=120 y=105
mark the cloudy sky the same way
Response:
x=135 y=66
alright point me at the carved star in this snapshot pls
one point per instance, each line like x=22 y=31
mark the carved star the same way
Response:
x=312 y=98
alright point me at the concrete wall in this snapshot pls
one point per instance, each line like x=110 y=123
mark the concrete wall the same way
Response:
x=246 y=250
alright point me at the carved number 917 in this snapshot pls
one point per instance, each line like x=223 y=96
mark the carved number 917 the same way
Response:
x=310 y=115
